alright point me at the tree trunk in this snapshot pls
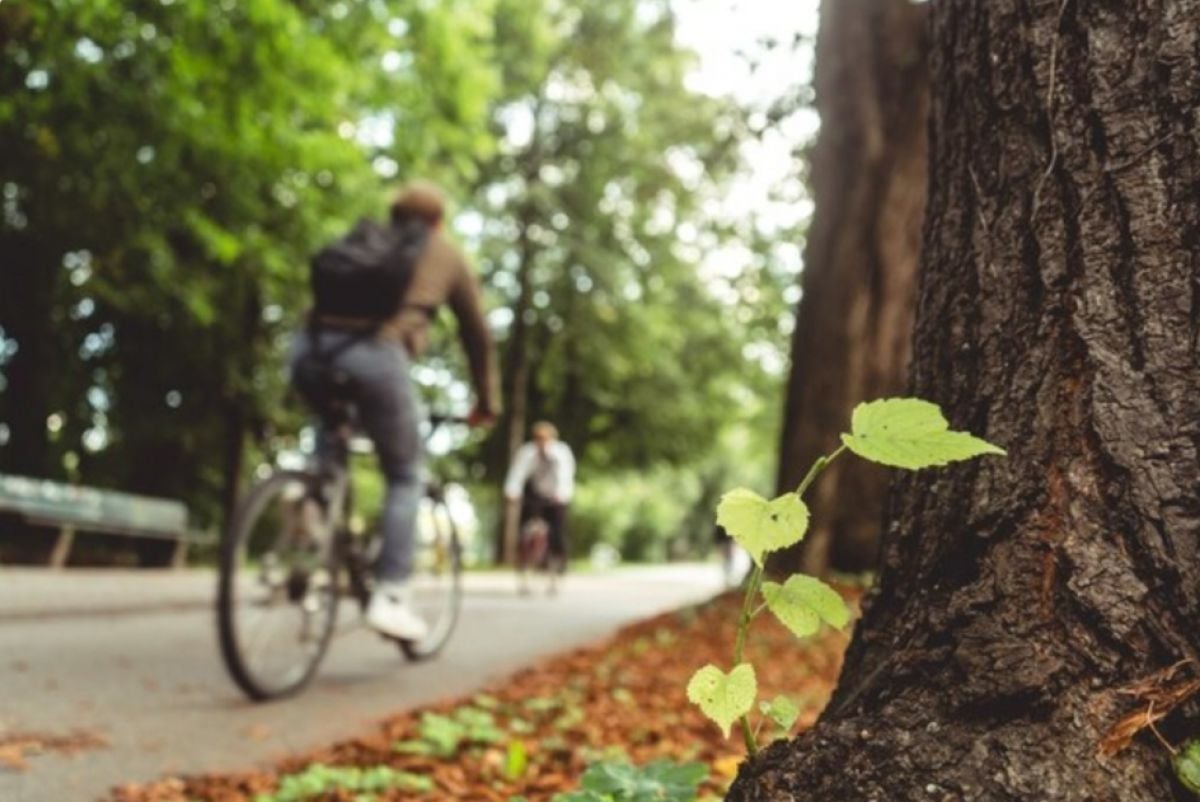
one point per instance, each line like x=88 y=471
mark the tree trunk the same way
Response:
x=1059 y=316
x=239 y=408
x=233 y=460
x=516 y=386
x=27 y=293
x=854 y=321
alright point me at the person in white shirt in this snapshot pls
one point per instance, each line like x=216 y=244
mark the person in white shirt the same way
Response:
x=542 y=479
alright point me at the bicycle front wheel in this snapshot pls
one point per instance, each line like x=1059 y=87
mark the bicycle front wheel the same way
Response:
x=437 y=575
x=277 y=596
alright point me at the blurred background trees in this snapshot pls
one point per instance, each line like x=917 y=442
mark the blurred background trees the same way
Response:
x=168 y=166
x=852 y=340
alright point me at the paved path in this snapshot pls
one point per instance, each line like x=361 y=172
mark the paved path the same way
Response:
x=133 y=658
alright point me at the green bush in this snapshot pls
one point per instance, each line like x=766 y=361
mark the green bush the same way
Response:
x=639 y=514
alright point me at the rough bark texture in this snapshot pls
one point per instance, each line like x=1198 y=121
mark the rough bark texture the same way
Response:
x=1059 y=316
x=27 y=291
x=854 y=322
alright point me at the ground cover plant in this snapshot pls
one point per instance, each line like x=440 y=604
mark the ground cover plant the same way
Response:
x=620 y=704
x=898 y=432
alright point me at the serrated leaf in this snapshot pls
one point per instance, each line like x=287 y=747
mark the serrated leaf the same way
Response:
x=659 y=781
x=803 y=602
x=722 y=697
x=1187 y=766
x=760 y=526
x=782 y=710
x=910 y=433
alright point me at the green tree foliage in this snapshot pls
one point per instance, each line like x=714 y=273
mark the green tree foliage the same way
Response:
x=595 y=217
x=167 y=167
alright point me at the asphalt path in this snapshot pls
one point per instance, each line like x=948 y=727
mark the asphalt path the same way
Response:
x=131 y=657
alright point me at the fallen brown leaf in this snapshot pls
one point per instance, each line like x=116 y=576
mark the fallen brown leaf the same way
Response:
x=1158 y=697
x=627 y=692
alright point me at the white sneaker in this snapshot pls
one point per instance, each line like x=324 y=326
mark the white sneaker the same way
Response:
x=390 y=612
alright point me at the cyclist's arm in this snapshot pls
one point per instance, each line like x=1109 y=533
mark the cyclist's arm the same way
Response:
x=518 y=473
x=466 y=301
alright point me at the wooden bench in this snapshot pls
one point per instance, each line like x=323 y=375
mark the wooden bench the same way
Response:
x=70 y=509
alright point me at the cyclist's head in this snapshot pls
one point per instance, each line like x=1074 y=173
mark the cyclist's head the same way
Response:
x=544 y=432
x=419 y=199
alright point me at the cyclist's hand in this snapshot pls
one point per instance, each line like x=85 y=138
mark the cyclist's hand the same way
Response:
x=480 y=418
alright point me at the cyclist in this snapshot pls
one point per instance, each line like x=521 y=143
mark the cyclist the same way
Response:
x=371 y=357
x=541 y=479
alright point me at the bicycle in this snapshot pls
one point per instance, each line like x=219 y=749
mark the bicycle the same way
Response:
x=533 y=545
x=290 y=552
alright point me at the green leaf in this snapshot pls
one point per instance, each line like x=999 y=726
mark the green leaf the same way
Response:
x=582 y=796
x=782 y=710
x=318 y=780
x=910 y=433
x=479 y=726
x=760 y=526
x=486 y=701
x=723 y=697
x=443 y=734
x=659 y=781
x=803 y=602
x=1187 y=766
x=516 y=761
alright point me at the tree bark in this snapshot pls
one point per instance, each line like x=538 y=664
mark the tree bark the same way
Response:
x=854 y=321
x=516 y=387
x=27 y=292
x=1059 y=316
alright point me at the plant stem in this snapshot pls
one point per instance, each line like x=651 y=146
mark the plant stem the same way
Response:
x=739 y=646
x=755 y=585
x=819 y=465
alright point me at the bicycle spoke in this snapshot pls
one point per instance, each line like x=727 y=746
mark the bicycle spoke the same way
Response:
x=279 y=599
x=436 y=580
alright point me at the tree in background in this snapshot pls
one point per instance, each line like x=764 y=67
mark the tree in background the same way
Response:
x=1028 y=606
x=594 y=229
x=854 y=321
x=167 y=168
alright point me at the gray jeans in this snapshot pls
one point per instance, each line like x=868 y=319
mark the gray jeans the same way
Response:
x=389 y=414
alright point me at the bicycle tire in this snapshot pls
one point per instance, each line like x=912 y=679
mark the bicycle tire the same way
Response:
x=448 y=539
x=533 y=545
x=246 y=516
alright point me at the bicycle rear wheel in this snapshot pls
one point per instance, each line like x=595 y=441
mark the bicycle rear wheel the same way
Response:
x=277 y=596
x=532 y=544
x=437 y=575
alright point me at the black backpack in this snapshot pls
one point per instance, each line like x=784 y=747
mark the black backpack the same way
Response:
x=365 y=274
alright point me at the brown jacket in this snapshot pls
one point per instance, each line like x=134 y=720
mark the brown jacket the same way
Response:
x=443 y=276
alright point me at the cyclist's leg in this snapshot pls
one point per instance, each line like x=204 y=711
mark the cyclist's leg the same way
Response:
x=305 y=381
x=556 y=521
x=524 y=545
x=390 y=415
x=331 y=447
